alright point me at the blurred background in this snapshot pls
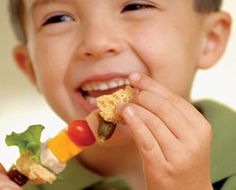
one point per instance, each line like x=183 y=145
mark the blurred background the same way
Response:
x=21 y=105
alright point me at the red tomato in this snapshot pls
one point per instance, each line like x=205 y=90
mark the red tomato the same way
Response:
x=80 y=133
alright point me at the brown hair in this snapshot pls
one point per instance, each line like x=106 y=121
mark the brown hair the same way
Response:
x=16 y=11
x=207 y=5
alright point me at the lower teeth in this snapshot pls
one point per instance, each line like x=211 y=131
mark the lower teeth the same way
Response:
x=91 y=100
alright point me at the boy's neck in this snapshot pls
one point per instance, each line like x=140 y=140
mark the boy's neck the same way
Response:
x=122 y=161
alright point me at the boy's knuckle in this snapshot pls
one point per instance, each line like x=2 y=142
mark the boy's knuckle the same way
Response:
x=166 y=109
x=165 y=169
x=185 y=156
x=143 y=80
x=194 y=147
x=148 y=147
x=169 y=171
x=139 y=97
x=174 y=99
x=180 y=160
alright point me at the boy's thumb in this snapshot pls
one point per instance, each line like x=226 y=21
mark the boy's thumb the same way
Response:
x=2 y=169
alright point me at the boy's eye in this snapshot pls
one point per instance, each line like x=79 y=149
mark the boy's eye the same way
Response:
x=57 y=19
x=136 y=6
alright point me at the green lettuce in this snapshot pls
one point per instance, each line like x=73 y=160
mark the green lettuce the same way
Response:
x=27 y=141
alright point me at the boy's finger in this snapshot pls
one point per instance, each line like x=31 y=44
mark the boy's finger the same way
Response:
x=173 y=119
x=143 y=82
x=165 y=138
x=6 y=184
x=2 y=169
x=143 y=137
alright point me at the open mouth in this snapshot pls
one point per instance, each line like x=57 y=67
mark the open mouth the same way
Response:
x=91 y=90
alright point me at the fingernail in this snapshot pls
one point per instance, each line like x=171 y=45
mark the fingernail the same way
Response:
x=120 y=106
x=135 y=76
x=129 y=111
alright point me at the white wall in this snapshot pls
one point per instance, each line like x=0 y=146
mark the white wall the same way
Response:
x=21 y=105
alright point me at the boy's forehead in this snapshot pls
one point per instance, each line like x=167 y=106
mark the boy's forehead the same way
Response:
x=35 y=3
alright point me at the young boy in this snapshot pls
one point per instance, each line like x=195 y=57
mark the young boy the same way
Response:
x=74 y=51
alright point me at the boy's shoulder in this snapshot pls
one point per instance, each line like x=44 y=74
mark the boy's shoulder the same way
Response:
x=216 y=112
x=223 y=121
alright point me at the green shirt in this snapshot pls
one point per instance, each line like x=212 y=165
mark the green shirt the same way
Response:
x=223 y=163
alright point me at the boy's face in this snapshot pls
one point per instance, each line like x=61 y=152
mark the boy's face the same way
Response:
x=75 y=44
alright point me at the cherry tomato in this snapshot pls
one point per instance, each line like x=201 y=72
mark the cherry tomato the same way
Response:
x=80 y=133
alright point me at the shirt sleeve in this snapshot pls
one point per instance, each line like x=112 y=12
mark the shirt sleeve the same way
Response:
x=226 y=184
x=29 y=186
x=230 y=183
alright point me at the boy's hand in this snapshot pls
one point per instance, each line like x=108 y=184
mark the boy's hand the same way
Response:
x=5 y=182
x=173 y=138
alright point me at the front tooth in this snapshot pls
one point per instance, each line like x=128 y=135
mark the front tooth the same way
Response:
x=91 y=100
x=95 y=87
x=113 y=84
x=121 y=82
x=127 y=82
x=103 y=86
x=87 y=87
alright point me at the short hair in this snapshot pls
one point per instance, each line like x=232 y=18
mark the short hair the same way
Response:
x=207 y=5
x=16 y=12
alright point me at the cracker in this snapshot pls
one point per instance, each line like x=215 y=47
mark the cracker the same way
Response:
x=107 y=103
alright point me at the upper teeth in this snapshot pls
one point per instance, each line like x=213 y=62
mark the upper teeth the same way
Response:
x=114 y=83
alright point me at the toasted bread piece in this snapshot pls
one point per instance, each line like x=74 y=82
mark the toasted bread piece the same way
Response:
x=36 y=173
x=107 y=103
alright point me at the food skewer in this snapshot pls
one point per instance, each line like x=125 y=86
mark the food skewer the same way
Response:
x=41 y=162
x=43 y=167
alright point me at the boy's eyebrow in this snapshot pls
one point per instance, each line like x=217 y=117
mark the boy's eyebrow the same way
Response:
x=38 y=3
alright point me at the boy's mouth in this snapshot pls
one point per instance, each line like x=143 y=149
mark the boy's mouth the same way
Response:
x=93 y=89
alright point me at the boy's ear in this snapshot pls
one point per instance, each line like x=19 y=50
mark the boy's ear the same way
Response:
x=23 y=61
x=216 y=34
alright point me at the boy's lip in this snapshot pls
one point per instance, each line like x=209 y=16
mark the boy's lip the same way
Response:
x=83 y=103
x=99 y=78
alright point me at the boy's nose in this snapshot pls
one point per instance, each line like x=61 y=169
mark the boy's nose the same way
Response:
x=99 y=42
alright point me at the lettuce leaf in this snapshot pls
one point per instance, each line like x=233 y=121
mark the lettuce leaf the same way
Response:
x=27 y=141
